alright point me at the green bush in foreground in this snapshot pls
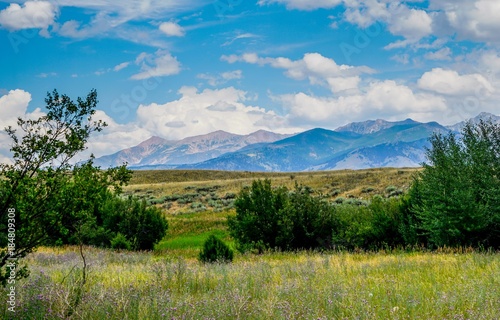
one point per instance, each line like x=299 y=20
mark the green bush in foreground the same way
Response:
x=215 y=250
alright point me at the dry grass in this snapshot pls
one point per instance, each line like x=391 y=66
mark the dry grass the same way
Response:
x=331 y=184
x=271 y=286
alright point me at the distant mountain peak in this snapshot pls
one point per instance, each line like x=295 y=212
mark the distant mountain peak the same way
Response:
x=372 y=126
x=154 y=140
x=482 y=116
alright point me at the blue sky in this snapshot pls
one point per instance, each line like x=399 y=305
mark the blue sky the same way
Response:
x=182 y=68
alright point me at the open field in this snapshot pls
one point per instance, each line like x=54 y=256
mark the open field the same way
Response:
x=181 y=191
x=170 y=283
x=197 y=202
x=270 y=286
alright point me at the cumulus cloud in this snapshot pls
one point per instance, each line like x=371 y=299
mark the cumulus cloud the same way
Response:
x=32 y=14
x=475 y=20
x=412 y=24
x=172 y=29
x=207 y=111
x=313 y=66
x=380 y=99
x=14 y=104
x=160 y=64
x=450 y=82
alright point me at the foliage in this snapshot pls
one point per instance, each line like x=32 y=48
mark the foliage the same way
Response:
x=310 y=220
x=120 y=242
x=268 y=218
x=37 y=182
x=373 y=226
x=260 y=216
x=215 y=250
x=454 y=200
x=54 y=201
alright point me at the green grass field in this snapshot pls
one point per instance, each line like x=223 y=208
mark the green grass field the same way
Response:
x=170 y=283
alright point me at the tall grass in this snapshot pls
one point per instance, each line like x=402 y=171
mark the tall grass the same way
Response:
x=271 y=286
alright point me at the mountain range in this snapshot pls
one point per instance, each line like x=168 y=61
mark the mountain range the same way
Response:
x=359 y=145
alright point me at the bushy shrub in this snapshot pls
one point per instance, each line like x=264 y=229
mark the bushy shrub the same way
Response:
x=120 y=242
x=273 y=218
x=260 y=215
x=215 y=250
x=310 y=219
x=141 y=225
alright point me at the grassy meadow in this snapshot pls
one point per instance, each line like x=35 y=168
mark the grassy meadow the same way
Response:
x=170 y=283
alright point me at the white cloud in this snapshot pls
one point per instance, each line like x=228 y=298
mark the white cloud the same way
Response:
x=401 y=58
x=14 y=104
x=236 y=74
x=313 y=66
x=339 y=84
x=380 y=99
x=441 y=54
x=207 y=111
x=304 y=4
x=162 y=63
x=475 y=20
x=410 y=23
x=172 y=29
x=222 y=78
x=238 y=37
x=33 y=14
x=112 y=18
x=449 y=82
x=121 y=66
x=365 y=13
x=114 y=137
x=46 y=75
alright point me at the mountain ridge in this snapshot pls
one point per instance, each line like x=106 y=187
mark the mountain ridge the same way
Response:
x=372 y=143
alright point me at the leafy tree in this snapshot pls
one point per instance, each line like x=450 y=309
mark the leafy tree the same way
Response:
x=454 y=200
x=143 y=226
x=45 y=199
x=268 y=218
x=311 y=220
x=260 y=216
x=32 y=184
x=215 y=250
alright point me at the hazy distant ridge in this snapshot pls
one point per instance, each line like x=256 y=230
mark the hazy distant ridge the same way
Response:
x=358 y=145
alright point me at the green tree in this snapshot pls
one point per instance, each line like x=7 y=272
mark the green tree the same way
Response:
x=311 y=220
x=44 y=199
x=260 y=216
x=269 y=218
x=455 y=198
